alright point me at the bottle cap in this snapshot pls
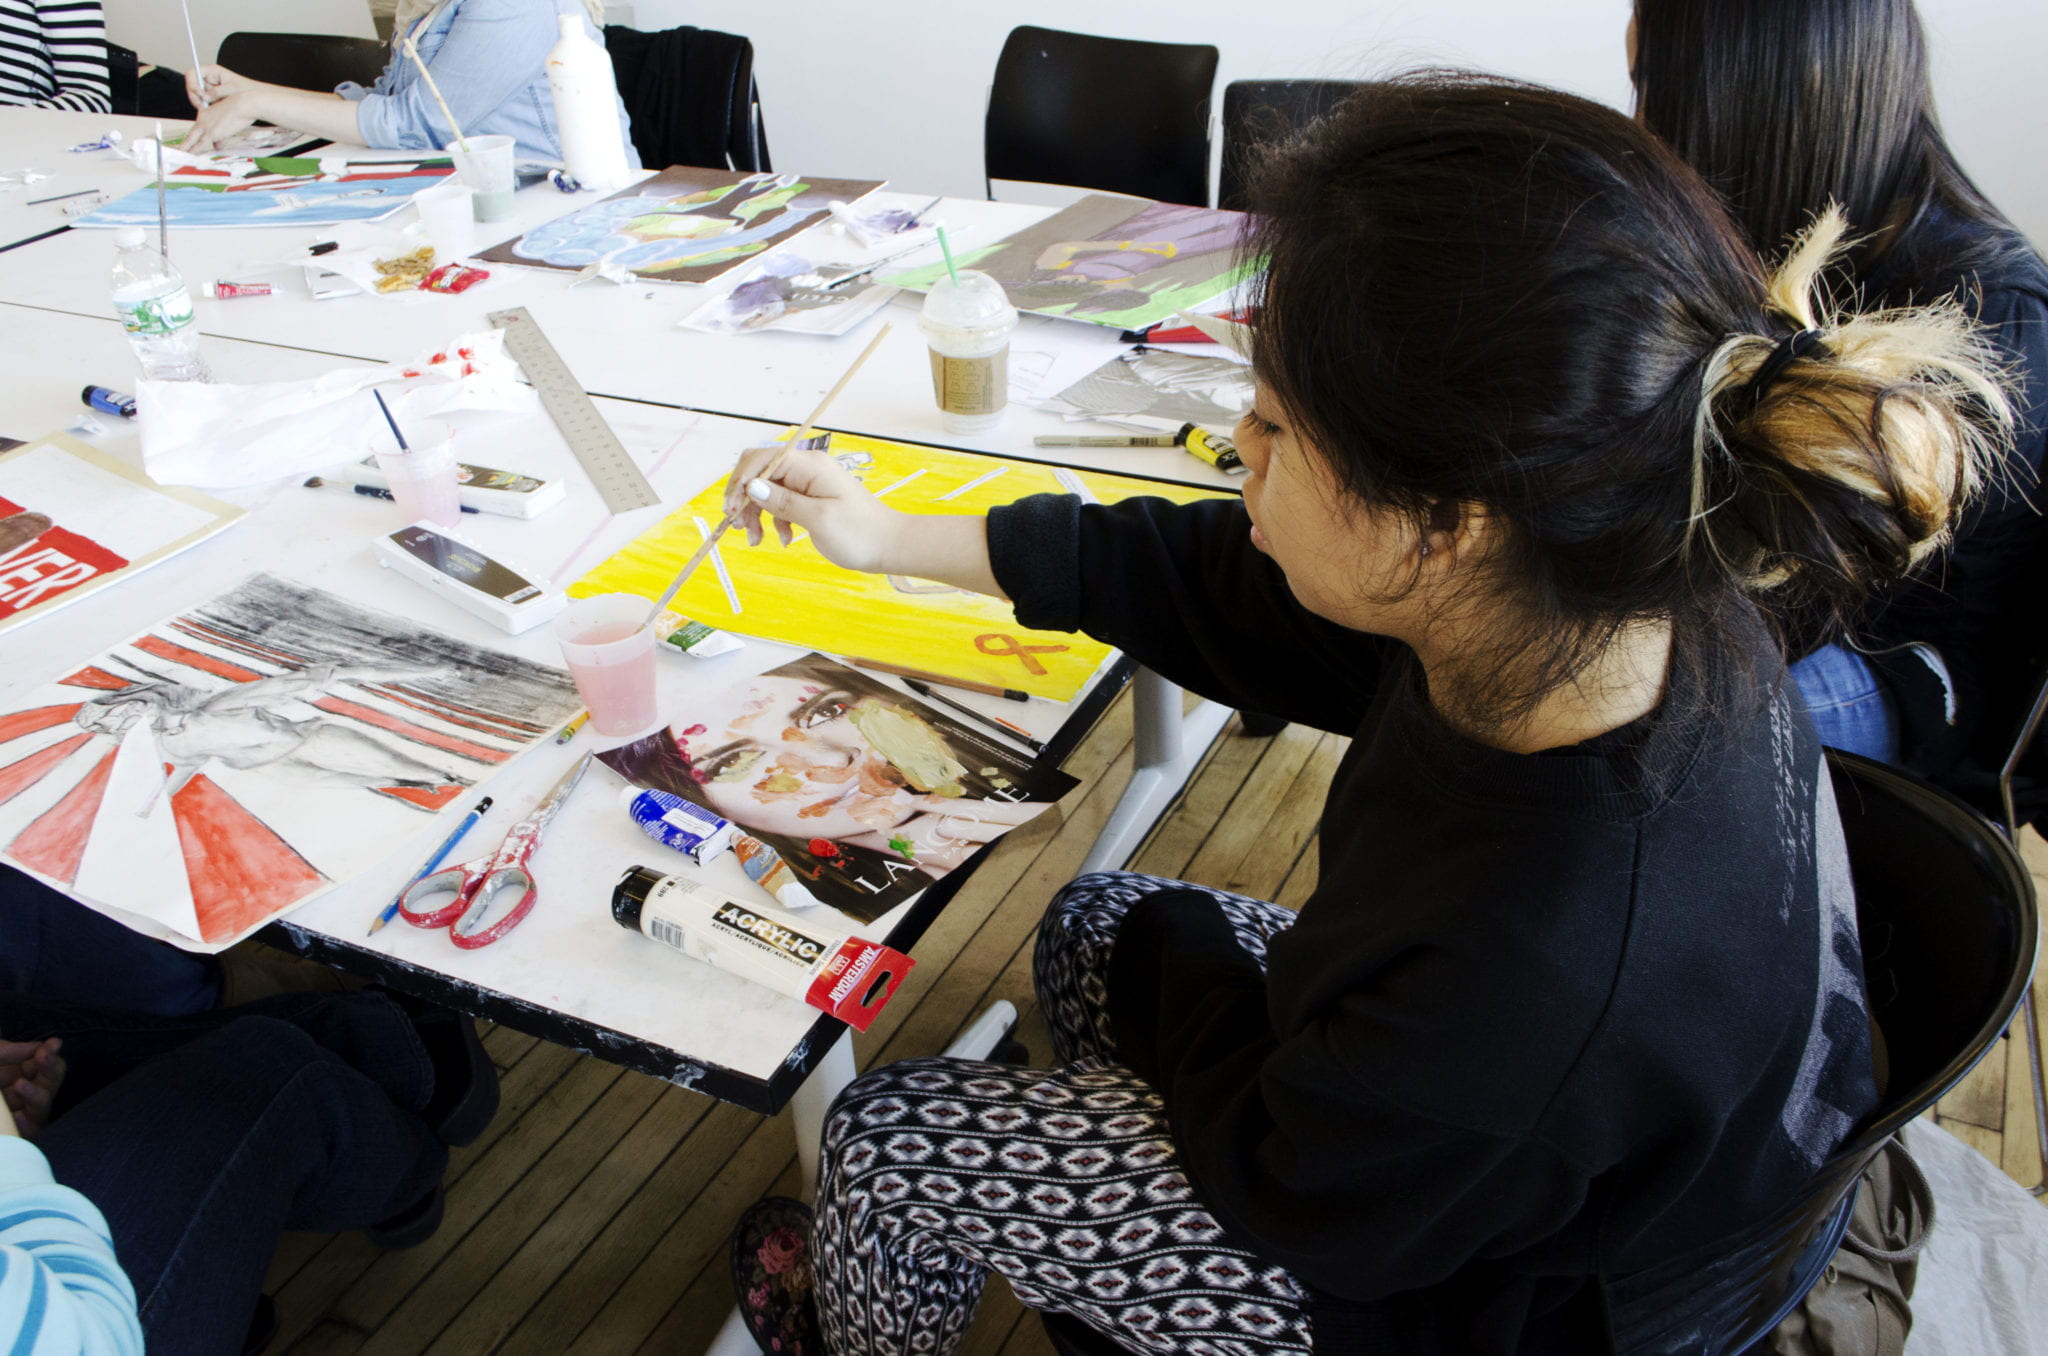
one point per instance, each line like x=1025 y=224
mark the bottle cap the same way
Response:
x=630 y=894
x=129 y=237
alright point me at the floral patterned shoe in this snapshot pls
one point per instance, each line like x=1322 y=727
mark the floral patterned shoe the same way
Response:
x=771 y=1277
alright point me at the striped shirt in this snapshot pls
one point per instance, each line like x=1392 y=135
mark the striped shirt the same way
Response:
x=53 y=54
x=62 y=1293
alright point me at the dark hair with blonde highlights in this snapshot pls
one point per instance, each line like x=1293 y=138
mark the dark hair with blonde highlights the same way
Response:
x=1488 y=294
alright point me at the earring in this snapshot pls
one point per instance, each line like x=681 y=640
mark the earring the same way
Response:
x=1426 y=548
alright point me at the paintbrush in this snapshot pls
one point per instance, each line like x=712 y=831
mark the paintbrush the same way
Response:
x=163 y=220
x=198 y=66
x=412 y=50
x=733 y=516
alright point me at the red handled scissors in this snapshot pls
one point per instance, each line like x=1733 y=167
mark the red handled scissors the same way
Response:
x=472 y=890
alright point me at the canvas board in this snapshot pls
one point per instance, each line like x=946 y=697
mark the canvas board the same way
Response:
x=869 y=795
x=1122 y=262
x=683 y=225
x=244 y=755
x=234 y=191
x=74 y=520
x=794 y=595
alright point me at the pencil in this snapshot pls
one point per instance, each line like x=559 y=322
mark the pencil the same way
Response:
x=945 y=680
x=996 y=723
x=440 y=855
x=569 y=731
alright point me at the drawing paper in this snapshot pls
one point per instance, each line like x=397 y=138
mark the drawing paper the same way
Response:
x=275 y=191
x=1121 y=262
x=684 y=224
x=870 y=795
x=73 y=519
x=239 y=758
x=793 y=594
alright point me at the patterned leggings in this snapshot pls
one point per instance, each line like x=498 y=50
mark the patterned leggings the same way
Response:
x=937 y=1171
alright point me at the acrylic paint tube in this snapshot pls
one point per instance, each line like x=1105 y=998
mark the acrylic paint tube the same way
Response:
x=674 y=822
x=235 y=289
x=694 y=638
x=849 y=977
x=764 y=866
x=109 y=401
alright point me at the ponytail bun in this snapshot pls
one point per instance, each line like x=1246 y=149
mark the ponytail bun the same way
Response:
x=1825 y=471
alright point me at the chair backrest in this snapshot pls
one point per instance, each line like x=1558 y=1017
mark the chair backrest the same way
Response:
x=1949 y=928
x=304 y=60
x=1257 y=113
x=691 y=97
x=1104 y=113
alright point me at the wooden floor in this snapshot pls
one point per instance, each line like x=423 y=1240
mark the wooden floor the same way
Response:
x=592 y=1216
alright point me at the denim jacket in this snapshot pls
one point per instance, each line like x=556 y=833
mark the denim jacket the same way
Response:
x=489 y=59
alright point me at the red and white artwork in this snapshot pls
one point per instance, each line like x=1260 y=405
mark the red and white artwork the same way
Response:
x=239 y=758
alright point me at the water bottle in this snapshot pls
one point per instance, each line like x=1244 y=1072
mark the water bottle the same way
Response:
x=586 y=107
x=156 y=310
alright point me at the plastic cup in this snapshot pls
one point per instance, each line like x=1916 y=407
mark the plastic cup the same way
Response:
x=446 y=210
x=968 y=326
x=423 y=478
x=610 y=652
x=487 y=167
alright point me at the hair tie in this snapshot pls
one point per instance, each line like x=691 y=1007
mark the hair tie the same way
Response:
x=1783 y=353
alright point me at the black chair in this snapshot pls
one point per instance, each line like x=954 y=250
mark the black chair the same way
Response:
x=1950 y=928
x=1105 y=113
x=318 y=61
x=2022 y=768
x=1257 y=113
x=691 y=96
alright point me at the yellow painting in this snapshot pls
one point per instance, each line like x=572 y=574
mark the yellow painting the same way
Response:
x=793 y=594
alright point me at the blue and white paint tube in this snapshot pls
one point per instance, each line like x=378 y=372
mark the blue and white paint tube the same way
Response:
x=674 y=822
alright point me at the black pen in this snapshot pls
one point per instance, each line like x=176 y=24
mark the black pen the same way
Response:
x=38 y=202
x=371 y=491
x=996 y=723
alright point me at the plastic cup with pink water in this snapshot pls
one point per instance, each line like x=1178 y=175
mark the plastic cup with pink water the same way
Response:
x=610 y=652
x=422 y=476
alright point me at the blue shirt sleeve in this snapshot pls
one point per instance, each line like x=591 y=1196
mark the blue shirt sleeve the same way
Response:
x=492 y=51
x=62 y=1293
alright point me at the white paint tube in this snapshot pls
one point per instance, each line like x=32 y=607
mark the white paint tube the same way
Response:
x=849 y=977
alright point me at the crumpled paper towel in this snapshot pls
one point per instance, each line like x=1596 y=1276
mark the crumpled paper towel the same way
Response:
x=219 y=436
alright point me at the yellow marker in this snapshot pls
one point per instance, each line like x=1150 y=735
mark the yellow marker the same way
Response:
x=569 y=731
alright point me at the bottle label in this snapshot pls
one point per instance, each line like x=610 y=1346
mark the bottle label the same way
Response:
x=165 y=313
x=971 y=385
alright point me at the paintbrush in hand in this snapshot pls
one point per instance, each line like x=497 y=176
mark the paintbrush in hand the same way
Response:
x=726 y=523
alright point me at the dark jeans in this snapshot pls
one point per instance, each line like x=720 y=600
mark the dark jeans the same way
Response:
x=58 y=949
x=202 y=1138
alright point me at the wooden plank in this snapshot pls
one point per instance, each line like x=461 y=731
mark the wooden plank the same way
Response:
x=701 y=1309
x=695 y=1238
x=1028 y=1338
x=1980 y=1097
x=2020 y=1151
x=1301 y=881
x=489 y=1311
x=1238 y=839
x=998 y=1316
x=369 y=1296
x=602 y=1265
x=1179 y=836
x=475 y=1260
x=306 y=1299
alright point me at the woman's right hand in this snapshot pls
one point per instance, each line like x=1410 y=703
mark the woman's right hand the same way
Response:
x=210 y=83
x=811 y=490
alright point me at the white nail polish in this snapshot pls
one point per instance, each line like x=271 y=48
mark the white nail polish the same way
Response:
x=758 y=491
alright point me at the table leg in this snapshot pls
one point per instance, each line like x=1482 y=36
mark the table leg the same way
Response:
x=1168 y=746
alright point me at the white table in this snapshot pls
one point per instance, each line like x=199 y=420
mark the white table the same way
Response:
x=731 y=1039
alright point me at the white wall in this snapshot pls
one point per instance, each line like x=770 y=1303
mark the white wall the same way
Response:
x=896 y=88
x=155 y=29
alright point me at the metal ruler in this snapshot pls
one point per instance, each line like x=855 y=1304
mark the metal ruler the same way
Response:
x=610 y=468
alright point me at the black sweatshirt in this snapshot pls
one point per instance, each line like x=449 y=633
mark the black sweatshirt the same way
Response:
x=1546 y=1018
